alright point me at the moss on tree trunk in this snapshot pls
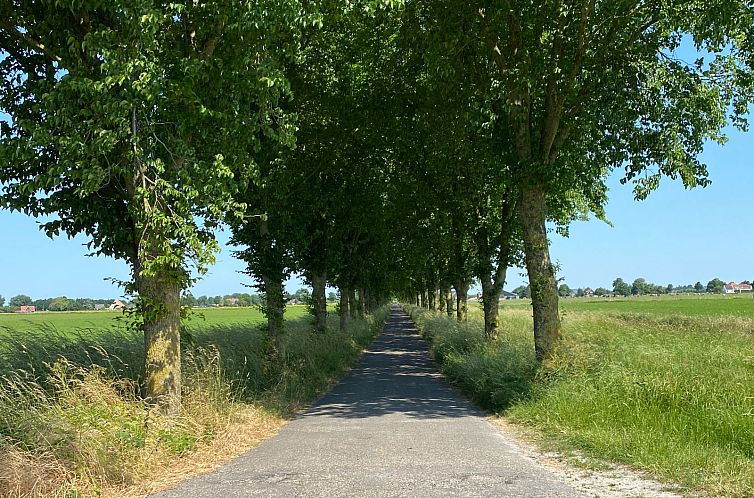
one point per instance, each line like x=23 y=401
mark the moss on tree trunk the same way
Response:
x=319 y=300
x=544 y=294
x=275 y=306
x=160 y=300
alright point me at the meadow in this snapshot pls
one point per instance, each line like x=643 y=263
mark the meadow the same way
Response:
x=741 y=305
x=72 y=422
x=663 y=384
x=95 y=322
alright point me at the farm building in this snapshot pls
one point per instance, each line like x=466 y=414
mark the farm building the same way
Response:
x=27 y=309
x=732 y=288
x=117 y=305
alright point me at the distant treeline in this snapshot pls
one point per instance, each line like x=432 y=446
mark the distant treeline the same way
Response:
x=639 y=287
x=63 y=303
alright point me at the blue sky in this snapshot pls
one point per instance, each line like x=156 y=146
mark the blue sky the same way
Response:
x=676 y=236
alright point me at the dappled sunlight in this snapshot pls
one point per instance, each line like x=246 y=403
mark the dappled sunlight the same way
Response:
x=395 y=377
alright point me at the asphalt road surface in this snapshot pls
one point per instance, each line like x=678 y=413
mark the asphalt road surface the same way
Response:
x=392 y=427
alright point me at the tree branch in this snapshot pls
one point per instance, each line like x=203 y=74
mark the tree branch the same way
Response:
x=31 y=42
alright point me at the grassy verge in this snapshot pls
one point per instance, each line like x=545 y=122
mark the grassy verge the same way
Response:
x=71 y=423
x=672 y=395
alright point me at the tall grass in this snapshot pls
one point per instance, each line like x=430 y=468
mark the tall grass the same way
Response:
x=71 y=419
x=673 y=395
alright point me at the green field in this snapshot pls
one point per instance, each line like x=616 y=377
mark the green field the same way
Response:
x=29 y=341
x=68 y=322
x=741 y=305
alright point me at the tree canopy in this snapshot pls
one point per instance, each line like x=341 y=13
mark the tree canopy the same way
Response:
x=390 y=149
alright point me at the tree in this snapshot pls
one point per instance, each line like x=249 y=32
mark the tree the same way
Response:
x=188 y=300
x=2 y=301
x=332 y=297
x=522 y=291
x=621 y=288
x=669 y=288
x=158 y=110
x=640 y=287
x=579 y=90
x=601 y=291
x=303 y=295
x=564 y=290
x=20 y=300
x=59 y=304
x=715 y=286
x=698 y=287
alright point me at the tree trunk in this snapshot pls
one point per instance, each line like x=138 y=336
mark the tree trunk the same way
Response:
x=462 y=296
x=367 y=301
x=491 y=304
x=432 y=295
x=319 y=280
x=275 y=307
x=491 y=276
x=160 y=301
x=544 y=294
x=449 y=309
x=442 y=300
x=352 y=311
x=361 y=304
x=343 y=308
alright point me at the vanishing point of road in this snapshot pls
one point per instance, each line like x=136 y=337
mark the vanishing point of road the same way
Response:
x=392 y=427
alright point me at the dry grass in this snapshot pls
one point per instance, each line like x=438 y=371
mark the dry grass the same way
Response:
x=25 y=475
x=246 y=429
x=77 y=428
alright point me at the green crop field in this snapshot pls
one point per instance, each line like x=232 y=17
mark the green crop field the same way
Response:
x=94 y=322
x=741 y=305
x=32 y=339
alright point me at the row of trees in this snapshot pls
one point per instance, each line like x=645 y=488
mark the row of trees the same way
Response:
x=301 y=296
x=378 y=146
x=639 y=287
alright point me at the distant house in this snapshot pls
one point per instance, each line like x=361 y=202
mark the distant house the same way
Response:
x=99 y=307
x=27 y=309
x=588 y=292
x=117 y=305
x=732 y=288
x=508 y=295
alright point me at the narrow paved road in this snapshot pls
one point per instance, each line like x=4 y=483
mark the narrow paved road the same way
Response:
x=392 y=427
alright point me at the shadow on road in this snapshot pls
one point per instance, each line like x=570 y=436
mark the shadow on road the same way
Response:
x=396 y=375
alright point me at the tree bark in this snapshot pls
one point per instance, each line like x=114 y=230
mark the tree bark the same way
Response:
x=544 y=294
x=352 y=311
x=361 y=304
x=319 y=280
x=492 y=277
x=343 y=308
x=449 y=309
x=442 y=300
x=491 y=305
x=432 y=295
x=160 y=300
x=462 y=297
x=275 y=307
